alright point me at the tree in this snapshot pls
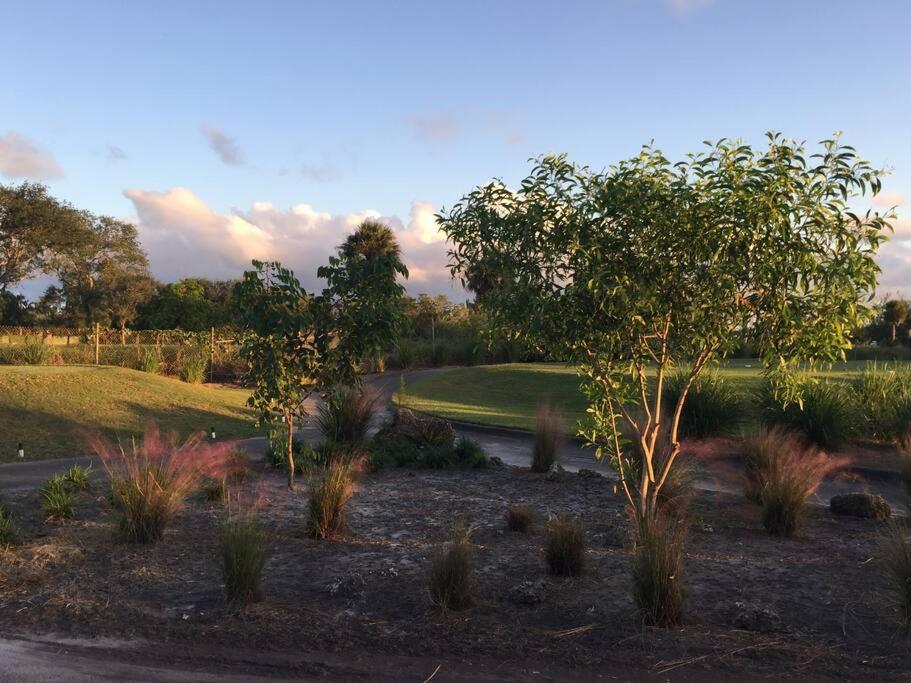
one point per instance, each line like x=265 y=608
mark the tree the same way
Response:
x=193 y=304
x=895 y=313
x=430 y=309
x=34 y=226
x=648 y=265
x=15 y=309
x=359 y=310
x=278 y=345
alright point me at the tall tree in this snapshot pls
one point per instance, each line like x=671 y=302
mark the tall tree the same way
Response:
x=895 y=313
x=360 y=311
x=33 y=227
x=648 y=265
x=191 y=304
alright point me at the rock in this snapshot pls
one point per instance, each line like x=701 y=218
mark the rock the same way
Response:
x=863 y=505
x=528 y=592
x=754 y=617
x=589 y=474
x=425 y=431
x=347 y=586
x=495 y=461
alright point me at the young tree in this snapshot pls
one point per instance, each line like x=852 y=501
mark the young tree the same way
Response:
x=895 y=313
x=648 y=265
x=359 y=310
x=278 y=345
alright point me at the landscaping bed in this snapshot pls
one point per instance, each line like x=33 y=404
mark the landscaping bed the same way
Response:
x=816 y=605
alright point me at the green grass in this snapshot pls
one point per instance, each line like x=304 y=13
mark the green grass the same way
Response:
x=48 y=408
x=508 y=395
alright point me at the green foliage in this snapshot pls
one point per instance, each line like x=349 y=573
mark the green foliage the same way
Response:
x=148 y=361
x=895 y=313
x=35 y=351
x=565 y=546
x=896 y=557
x=193 y=304
x=468 y=453
x=277 y=345
x=9 y=531
x=451 y=576
x=215 y=490
x=345 y=414
x=881 y=398
x=244 y=551
x=194 y=362
x=713 y=407
x=548 y=426
x=519 y=518
x=657 y=568
x=359 y=311
x=825 y=415
x=78 y=477
x=328 y=498
x=58 y=498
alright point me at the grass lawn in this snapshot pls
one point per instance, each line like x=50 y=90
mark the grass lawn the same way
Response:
x=507 y=395
x=47 y=408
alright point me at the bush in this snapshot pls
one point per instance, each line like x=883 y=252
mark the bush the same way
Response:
x=328 y=499
x=35 y=351
x=193 y=365
x=657 y=567
x=405 y=354
x=882 y=399
x=519 y=518
x=712 y=407
x=564 y=546
x=148 y=361
x=452 y=573
x=864 y=505
x=468 y=453
x=244 y=551
x=345 y=415
x=781 y=474
x=215 y=490
x=438 y=355
x=9 y=531
x=58 y=498
x=827 y=417
x=896 y=556
x=151 y=481
x=547 y=435
x=78 y=477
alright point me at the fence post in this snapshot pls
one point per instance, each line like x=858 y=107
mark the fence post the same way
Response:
x=212 y=354
x=97 y=344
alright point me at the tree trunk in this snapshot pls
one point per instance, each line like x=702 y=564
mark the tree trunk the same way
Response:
x=893 y=331
x=290 y=419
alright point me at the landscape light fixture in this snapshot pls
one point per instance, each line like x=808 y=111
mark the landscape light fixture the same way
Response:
x=21 y=453
x=213 y=433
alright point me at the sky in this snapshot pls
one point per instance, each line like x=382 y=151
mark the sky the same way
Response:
x=229 y=131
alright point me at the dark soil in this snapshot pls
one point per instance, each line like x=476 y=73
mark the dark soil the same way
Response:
x=817 y=605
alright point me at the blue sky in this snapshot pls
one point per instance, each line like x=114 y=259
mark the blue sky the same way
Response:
x=230 y=130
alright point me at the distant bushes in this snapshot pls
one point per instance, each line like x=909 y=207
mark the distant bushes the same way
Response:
x=713 y=407
x=193 y=364
x=413 y=440
x=882 y=400
x=827 y=416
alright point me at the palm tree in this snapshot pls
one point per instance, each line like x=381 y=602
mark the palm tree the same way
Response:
x=895 y=313
x=371 y=240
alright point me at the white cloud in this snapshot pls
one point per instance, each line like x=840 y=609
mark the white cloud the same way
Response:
x=185 y=237
x=226 y=148
x=21 y=158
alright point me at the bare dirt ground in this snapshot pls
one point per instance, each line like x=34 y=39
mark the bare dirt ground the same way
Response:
x=815 y=606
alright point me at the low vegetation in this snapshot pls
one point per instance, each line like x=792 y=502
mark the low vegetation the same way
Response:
x=9 y=530
x=548 y=426
x=657 y=568
x=344 y=416
x=329 y=497
x=244 y=551
x=78 y=477
x=193 y=365
x=713 y=406
x=58 y=498
x=452 y=573
x=565 y=546
x=519 y=518
x=825 y=416
x=896 y=556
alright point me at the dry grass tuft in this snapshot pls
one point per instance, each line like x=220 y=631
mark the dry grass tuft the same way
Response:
x=548 y=424
x=564 y=546
x=452 y=573
x=657 y=566
x=519 y=518
x=328 y=499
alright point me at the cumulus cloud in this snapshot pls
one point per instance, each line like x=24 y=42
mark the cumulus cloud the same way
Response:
x=115 y=153
x=185 y=237
x=435 y=127
x=225 y=147
x=22 y=158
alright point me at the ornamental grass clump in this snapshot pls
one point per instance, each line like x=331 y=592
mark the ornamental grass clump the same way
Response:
x=713 y=407
x=519 y=518
x=825 y=416
x=345 y=414
x=451 y=576
x=152 y=478
x=58 y=498
x=9 y=530
x=547 y=436
x=328 y=499
x=657 y=570
x=564 y=546
x=244 y=551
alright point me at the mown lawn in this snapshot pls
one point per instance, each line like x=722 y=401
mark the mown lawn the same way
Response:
x=507 y=395
x=50 y=408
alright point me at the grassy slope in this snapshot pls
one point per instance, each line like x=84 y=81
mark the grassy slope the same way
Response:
x=47 y=407
x=507 y=395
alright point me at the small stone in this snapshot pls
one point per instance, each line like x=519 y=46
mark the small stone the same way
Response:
x=495 y=461
x=754 y=617
x=589 y=474
x=529 y=592
x=347 y=585
x=864 y=505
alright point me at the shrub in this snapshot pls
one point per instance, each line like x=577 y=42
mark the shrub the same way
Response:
x=78 y=477
x=215 y=490
x=452 y=573
x=58 y=498
x=345 y=415
x=547 y=435
x=193 y=365
x=896 y=556
x=244 y=551
x=826 y=417
x=564 y=546
x=438 y=355
x=35 y=351
x=658 y=589
x=469 y=453
x=712 y=408
x=781 y=474
x=519 y=518
x=863 y=505
x=9 y=531
x=148 y=361
x=882 y=399
x=328 y=499
x=151 y=480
